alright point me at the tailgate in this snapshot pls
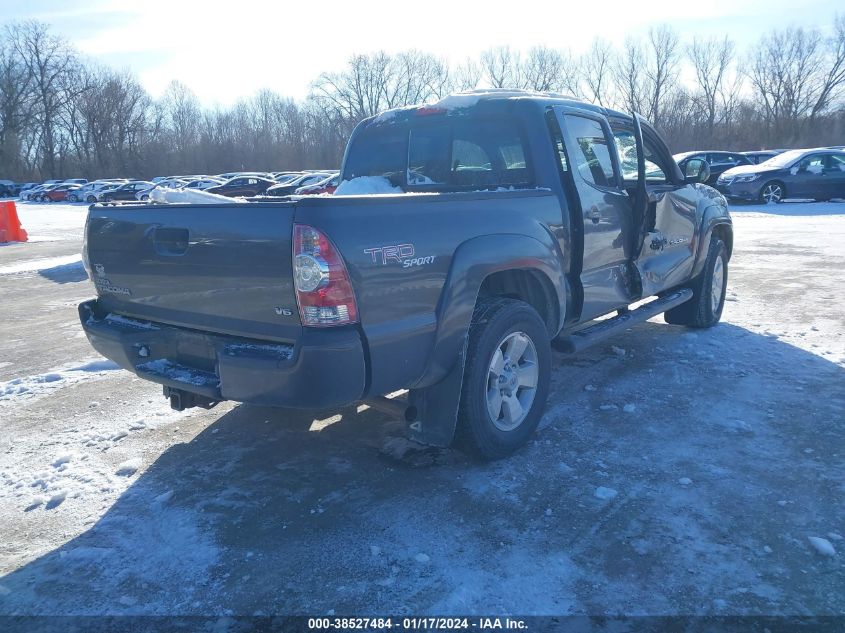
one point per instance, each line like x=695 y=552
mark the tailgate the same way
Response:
x=223 y=268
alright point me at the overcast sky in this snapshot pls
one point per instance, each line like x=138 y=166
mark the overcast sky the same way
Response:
x=227 y=50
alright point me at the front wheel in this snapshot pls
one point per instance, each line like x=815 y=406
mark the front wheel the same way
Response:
x=709 y=289
x=91 y=199
x=772 y=192
x=506 y=378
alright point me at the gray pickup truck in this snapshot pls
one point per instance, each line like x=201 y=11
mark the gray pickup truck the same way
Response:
x=481 y=232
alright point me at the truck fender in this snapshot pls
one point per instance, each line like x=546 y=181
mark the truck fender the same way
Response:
x=713 y=216
x=435 y=398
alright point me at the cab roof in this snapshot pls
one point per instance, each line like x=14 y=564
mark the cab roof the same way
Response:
x=480 y=97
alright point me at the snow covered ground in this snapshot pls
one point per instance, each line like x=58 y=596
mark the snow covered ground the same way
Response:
x=675 y=471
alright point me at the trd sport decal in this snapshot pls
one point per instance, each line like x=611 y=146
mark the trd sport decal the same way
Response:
x=398 y=253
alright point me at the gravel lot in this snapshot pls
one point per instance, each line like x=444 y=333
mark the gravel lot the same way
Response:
x=675 y=471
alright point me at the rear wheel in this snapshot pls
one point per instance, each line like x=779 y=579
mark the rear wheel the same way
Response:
x=709 y=289
x=91 y=199
x=772 y=192
x=506 y=378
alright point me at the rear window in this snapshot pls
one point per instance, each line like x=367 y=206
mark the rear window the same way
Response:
x=463 y=154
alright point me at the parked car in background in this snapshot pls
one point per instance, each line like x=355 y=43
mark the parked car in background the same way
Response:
x=59 y=192
x=799 y=173
x=328 y=185
x=285 y=176
x=243 y=186
x=74 y=181
x=125 y=191
x=7 y=188
x=41 y=196
x=102 y=190
x=29 y=193
x=761 y=156
x=237 y=174
x=203 y=183
x=288 y=188
x=719 y=162
x=23 y=187
x=89 y=192
x=168 y=183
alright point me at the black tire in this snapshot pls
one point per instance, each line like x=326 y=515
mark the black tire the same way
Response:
x=493 y=322
x=772 y=184
x=700 y=312
x=91 y=199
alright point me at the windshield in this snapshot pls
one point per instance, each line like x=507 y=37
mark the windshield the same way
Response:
x=785 y=159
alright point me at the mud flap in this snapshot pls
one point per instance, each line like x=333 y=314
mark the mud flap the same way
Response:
x=436 y=407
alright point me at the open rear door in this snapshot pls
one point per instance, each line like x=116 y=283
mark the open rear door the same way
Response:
x=639 y=203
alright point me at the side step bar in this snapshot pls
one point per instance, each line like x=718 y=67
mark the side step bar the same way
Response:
x=582 y=339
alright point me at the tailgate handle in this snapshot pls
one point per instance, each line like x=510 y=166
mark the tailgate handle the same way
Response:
x=169 y=241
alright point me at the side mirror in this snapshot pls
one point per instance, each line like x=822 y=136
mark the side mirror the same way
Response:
x=697 y=170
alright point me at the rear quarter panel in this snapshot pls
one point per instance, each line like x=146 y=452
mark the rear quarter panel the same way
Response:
x=399 y=251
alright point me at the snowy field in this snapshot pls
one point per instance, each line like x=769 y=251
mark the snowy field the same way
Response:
x=675 y=471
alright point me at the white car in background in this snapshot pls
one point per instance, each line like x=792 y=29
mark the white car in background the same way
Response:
x=89 y=192
x=203 y=183
x=167 y=183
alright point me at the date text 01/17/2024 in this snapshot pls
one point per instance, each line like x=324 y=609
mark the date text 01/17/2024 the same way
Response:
x=417 y=623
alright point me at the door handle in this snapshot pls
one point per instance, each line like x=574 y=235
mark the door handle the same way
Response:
x=593 y=214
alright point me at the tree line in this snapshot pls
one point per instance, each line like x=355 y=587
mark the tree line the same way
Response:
x=62 y=115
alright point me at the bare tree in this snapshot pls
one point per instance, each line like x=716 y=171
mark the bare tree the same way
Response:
x=501 y=67
x=662 y=70
x=359 y=91
x=711 y=60
x=50 y=63
x=182 y=116
x=15 y=108
x=595 y=71
x=466 y=76
x=790 y=74
x=629 y=76
x=832 y=81
x=548 y=70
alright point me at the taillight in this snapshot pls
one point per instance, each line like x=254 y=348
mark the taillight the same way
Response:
x=323 y=290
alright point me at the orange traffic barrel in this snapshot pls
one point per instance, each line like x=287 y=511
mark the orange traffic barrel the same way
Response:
x=10 y=225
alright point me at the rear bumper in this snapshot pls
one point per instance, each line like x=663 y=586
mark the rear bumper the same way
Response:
x=324 y=368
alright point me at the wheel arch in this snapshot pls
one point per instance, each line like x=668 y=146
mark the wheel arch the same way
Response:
x=514 y=265
x=508 y=265
x=530 y=285
x=715 y=221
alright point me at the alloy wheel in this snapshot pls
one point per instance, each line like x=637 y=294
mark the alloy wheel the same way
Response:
x=512 y=381
x=718 y=284
x=772 y=193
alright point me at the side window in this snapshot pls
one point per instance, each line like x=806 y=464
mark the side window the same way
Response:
x=626 y=146
x=835 y=162
x=812 y=164
x=591 y=154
